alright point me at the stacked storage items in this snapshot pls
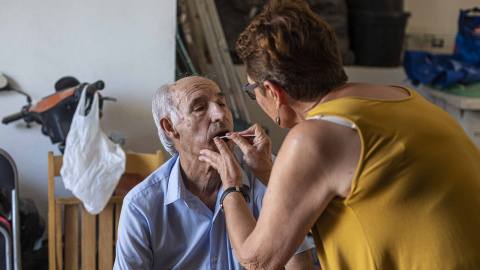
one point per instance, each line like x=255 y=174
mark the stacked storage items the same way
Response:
x=377 y=31
x=236 y=15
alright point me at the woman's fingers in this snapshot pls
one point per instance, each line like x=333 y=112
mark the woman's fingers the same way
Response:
x=259 y=139
x=242 y=143
x=257 y=153
x=256 y=129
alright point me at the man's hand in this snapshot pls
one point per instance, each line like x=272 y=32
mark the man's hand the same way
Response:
x=257 y=153
x=224 y=162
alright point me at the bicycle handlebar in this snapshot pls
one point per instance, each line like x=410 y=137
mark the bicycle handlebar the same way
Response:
x=24 y=113
x=99 y=85
x=12 y=117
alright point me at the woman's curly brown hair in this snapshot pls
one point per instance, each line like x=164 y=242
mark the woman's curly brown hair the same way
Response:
x=290 y=44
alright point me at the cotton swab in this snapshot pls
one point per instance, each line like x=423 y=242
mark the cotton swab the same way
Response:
x=247 y=135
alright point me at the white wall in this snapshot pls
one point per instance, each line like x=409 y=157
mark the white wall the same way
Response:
x=434 y=19
x=127 y=44
x=436 y=16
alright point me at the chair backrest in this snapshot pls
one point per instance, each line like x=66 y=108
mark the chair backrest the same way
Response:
x=70 y=226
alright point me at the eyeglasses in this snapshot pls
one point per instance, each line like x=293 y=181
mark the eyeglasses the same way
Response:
x=248 y=89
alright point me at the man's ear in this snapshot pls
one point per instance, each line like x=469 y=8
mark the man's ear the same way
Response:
x=168 y=128
x=276 y=92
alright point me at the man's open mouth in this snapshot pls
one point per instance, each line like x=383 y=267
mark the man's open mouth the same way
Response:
x=222 y=133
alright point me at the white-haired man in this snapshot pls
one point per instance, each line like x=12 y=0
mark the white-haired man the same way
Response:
x=172 y=220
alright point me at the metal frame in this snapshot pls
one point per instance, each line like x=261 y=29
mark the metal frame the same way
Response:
x=8 y=248
x=17 y=254
x=217 y=45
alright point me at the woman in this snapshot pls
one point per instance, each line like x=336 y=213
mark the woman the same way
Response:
x=384 y=179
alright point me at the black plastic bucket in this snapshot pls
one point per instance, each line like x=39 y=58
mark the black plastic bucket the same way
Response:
x=376 y=5
x=377 y=36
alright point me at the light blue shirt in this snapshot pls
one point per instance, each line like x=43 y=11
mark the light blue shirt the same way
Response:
x=164 y=226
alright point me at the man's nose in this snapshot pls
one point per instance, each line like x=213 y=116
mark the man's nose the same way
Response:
x=218 y=113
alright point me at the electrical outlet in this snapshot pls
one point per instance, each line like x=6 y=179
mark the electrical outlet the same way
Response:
x=433 y=43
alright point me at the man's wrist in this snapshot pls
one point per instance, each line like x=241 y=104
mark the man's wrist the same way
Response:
x=229 y=190
x=236 y=183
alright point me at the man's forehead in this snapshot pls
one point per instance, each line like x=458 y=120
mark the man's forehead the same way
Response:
x=190 y=88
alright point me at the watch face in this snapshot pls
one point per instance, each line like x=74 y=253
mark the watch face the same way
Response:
x=3 y=81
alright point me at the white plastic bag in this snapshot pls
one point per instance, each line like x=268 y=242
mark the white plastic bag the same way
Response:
x=92 y=163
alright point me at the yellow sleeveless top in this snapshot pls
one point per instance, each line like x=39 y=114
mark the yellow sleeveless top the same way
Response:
x=415 y=198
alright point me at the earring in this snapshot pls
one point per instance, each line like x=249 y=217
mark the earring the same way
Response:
x=278 y=117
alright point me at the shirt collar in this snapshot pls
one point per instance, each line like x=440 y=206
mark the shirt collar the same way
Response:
x=175 y=188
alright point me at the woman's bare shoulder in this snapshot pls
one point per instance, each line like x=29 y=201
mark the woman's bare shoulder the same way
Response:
x=318 y=132
x=312 y=136
x=327 y=147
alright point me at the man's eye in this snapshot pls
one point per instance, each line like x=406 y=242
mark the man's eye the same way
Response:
x=221 y=104
x=199 y=108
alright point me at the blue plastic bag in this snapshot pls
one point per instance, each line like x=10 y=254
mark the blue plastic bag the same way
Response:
x=439 y=69
x=467 y=43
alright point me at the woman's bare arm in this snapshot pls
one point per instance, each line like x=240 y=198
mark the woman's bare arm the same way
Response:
x=300 y=187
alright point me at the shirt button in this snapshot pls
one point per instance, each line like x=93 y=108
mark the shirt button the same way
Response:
x=215 y=259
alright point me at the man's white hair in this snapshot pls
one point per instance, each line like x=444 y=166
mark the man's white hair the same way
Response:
x=163 y=106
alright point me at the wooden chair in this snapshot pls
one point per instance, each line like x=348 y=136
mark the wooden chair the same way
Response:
x=65 y=215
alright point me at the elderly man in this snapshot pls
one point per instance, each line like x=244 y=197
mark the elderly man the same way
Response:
x=172 y=220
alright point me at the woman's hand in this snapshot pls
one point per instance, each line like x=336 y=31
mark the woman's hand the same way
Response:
x=257 y=153
x=224 y=162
